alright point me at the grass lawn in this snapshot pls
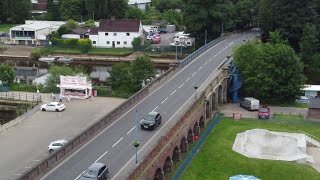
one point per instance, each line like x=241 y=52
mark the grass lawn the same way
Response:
x=94 y=51
x=6 y=27
x=216 y=160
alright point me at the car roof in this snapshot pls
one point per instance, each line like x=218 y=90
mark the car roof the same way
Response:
x=54 y=103
x=153 y=113
x=96 y=166
x=59 y=141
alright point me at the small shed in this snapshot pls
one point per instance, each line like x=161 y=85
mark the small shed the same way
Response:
x=311 y=90
x=314 y=109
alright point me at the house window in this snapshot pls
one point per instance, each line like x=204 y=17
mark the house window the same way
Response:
x=93 y=42
x=108 y=42
x=114 y=34
x=128 y=34
x=106 y=34
x=125 y=43
x=118 y=42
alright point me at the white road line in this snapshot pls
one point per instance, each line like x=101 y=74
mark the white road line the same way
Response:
x=187 y=79
x=205 y=63
x=79 y=175
x=154 y=109
x=117 y=142
x=27 y=167
x=17 y=174
x=164 y=100
x=173 y=92
x=194 y=73
x=131 y=130
x=37 y=160
x=101 y=156
x=200 y=68
x=181 y=85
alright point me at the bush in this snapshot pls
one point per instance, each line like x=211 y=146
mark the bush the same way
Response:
x=85 y=45
x=35 y=53
x=103 y=91
x=70 y=42
x=136 y=43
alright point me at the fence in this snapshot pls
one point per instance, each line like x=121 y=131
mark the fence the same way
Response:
x=196 y=148
x=21 y=96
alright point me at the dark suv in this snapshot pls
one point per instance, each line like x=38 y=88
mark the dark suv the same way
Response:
x=152 y=120
x=96 y=171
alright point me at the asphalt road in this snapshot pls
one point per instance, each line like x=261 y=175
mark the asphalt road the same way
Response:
x=113 y=146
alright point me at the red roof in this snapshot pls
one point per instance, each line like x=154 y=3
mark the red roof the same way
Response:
x=119 y=25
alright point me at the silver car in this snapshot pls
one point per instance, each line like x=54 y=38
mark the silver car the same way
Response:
x=97 y=171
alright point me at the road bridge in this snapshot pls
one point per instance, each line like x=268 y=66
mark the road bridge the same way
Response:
x=115 y=133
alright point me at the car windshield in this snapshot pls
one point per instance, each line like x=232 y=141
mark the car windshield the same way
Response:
x=263 y=110
x=59 y=104
x=149 y=118
x=90 y=174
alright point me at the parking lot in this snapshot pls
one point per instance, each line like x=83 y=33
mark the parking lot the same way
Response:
x=25 y=144
x=229 y=109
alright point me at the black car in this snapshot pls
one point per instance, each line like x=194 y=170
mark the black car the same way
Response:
x=96 y=171
x=162 y=30
x=152 y=120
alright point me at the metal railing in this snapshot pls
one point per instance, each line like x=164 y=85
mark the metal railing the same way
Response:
x=20 y=96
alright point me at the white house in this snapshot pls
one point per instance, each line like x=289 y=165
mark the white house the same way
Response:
x=117 y=33
x=311 y=90
x=141 y=4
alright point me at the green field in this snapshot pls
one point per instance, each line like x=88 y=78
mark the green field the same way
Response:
x=216 y=160
x=6 y=27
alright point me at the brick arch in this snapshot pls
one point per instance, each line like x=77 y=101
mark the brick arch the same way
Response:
x=176 y=154
x=190 y=136
x=213 y=102
x=201 y=122
x=208 y=111
x=220 y=94
x=196 y=129
x=184 y=145
x=167 y=166
x=159 y=175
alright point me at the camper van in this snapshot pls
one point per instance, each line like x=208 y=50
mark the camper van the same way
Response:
x=250 y=103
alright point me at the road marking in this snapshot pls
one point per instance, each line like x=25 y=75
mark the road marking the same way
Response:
x=194 y=73
x=200 y=68
x=117 y=142
x=17 y=174
x=173 y=92
x=27 y=167
x=187 y=79
x=205 y=63
x=37 y=160
x=101 y=156
x=164 y=100
x=79 y=175
x=181 y=85
x=154 y=109
x=131 y=130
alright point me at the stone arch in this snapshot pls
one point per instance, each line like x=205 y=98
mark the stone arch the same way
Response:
x=184 y=145
x=201 y=122
x=213 y=102
x=190 y=136
x=196 y=129
x=220 y=94
x=167 y=166
x=225 y=91
x=159 y=175
x=176 y=154
x=208 y=111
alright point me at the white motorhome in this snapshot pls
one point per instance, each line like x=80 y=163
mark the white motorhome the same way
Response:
x=250 y=103
x=184 y=40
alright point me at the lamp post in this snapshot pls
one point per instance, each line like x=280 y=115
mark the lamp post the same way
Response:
x=136 y=143
x=195 y=90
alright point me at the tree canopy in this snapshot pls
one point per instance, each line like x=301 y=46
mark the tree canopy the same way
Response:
x=6 y=74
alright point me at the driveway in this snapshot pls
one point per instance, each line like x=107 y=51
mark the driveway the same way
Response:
x=229 y=109
x=25 y=144
x=166 y=39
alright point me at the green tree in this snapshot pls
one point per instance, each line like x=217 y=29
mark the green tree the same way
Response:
x=271 y=72
x=85 y=45
x=121 y=78
x=53 y=13
x=173 y=17
x=17 y=11
x=141 y=69
x=135 y=13
x=309 y=45
x=71 y=9
x=90 y=23
x=136 y=43
x=244 y=13
x=265 y=16
x=165 y=5
x=118 y=8
x=6 y=74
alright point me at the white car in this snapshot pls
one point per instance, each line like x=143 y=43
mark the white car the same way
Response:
x=56 y=145
x=53 y=106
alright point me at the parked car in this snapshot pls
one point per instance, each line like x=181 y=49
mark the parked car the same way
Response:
x=162 y=30
x=250 y=103
x=53 y=106
x=303 y=99
x=264 y=112
x=151 y=121
x=55 y=145
x=97 y=171
x=156 y=40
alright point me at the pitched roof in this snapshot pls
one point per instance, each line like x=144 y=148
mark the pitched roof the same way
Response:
x=80 y=30
x=119 y=25
x=93 y=31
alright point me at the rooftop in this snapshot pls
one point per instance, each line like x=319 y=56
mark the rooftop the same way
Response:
x=311 y=87
x=119 y=25
x=132 y=2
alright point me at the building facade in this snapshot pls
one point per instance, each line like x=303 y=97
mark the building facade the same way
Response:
x=116 y=33
x=141 y=4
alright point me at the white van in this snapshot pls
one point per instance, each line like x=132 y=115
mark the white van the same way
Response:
x=250 y=103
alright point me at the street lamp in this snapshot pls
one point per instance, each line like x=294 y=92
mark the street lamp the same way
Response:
x=195 y=90
x=136 y=145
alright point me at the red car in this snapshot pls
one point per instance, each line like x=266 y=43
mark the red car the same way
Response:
x=264 y=112
x=156 y=40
